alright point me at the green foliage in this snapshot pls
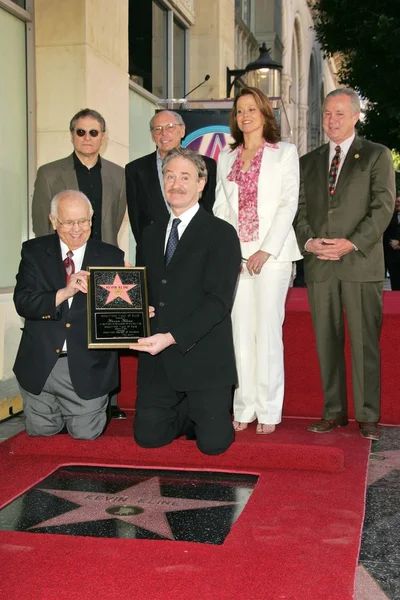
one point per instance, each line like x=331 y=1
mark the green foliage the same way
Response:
x=396 y=160
x=366 y=33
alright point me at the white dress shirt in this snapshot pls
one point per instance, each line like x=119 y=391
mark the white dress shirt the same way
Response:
x=185 y=218
x=78 y=259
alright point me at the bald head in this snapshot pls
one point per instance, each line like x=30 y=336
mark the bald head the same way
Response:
x=71 y=216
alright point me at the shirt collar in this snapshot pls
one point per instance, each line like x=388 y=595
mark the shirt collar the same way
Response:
x=158 y=156
x=78 y=253
x=79 y=165
x=187 y=216
x=344 y=146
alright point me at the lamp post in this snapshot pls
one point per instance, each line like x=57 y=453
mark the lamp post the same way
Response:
x=263 y=73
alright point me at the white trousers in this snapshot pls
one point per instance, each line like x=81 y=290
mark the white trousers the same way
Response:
x=258 y=314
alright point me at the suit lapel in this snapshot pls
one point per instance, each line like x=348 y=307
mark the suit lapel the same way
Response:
x=322 y=168
x=152 y=185
x=55 y=266
x=89 y=259
x=53 y=254
x=68 y=174
x=191 y=233
x=352 y=158
x=107 y=189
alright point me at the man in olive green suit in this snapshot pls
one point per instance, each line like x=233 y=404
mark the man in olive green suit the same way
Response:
x=347 y=195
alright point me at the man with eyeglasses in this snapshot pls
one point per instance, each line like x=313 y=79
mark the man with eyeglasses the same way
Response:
x=144 y=181
x=102 y=181
x=64 y=385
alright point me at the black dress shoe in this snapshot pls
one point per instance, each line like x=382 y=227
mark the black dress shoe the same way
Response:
x=325 y=426
x=370 y=431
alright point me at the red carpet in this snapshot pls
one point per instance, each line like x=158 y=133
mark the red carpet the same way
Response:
x=303 y=396
x=297 y=539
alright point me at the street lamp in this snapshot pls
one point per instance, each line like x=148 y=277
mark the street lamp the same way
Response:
x=263 y=73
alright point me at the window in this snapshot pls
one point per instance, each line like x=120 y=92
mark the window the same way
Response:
x=157 y=48
x=159 y=51
x=179 y=60
x=13 y=150
x=243 y=10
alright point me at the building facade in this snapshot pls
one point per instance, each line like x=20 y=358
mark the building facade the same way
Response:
x=122 y=58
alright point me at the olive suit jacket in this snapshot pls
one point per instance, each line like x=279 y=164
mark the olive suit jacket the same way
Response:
x=360 y=210
x=60 y=175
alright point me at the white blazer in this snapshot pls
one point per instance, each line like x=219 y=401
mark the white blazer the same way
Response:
x=278 y=196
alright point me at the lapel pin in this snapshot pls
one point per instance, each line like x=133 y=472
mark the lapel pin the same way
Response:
x=356 y=156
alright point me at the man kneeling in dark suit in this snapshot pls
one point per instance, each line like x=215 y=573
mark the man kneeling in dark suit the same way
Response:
x=187 y=367
x=62 y=382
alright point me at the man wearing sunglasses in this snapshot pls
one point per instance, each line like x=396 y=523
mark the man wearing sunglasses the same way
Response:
x=102 y=181
x=144 y=181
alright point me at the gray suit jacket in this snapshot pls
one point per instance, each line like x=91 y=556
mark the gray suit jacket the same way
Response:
x=60 y=175
x=360 y=210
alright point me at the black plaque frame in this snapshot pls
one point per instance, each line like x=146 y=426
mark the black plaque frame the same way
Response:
x=107 y=318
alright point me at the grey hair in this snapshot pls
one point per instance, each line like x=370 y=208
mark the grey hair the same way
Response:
x=176 y=116
x=66 y=194
x=352 y=94
x=87 y=112
x=194 y=157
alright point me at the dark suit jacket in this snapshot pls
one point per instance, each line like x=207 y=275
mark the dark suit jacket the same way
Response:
x=360 y=210
x=41 y=273
x=60 y=175
x=193 y=298
x=392 y=257
x=145 y=199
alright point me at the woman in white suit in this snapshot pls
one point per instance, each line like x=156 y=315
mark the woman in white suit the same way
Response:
x=257 y=192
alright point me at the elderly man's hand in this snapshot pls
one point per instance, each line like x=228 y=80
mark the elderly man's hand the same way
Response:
x=77 y=283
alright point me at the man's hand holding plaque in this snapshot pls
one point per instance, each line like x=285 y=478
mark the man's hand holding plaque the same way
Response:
x=118 y=309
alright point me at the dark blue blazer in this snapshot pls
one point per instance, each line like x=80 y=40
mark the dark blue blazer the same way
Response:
x=41 y=274
x=193 y=297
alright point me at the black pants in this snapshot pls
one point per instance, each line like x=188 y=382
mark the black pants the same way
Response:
x=394 y=274
x=162 y=414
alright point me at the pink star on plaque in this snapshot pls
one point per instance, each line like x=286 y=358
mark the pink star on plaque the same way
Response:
x=117 y=289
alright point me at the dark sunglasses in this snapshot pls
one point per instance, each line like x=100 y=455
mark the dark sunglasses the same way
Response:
x=91 y=132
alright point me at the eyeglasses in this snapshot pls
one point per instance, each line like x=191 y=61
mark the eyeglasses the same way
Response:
x=170 y=127
x=83 y=223
x=91 y=132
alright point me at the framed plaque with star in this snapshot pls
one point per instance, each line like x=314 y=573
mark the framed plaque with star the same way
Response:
x=118 y=307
